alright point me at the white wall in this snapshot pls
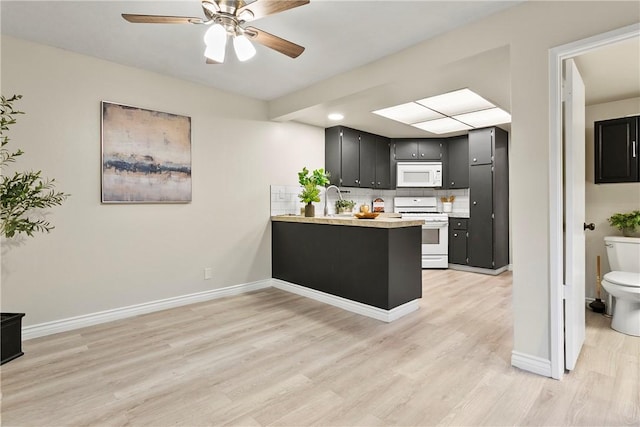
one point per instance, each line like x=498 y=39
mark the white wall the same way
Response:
x=603 y=200
x=101 y=257
x=530 y=30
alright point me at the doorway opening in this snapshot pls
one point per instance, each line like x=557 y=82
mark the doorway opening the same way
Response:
x=557 y=58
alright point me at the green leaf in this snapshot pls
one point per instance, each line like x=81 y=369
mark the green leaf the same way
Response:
x=24 y=192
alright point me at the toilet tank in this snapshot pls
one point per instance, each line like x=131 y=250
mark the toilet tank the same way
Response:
x=623 y=253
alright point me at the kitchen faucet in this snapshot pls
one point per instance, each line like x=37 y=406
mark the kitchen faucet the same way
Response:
x=326 y=196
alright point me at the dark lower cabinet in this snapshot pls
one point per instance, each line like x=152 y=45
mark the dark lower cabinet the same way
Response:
x=458 y=240
x=616 y=150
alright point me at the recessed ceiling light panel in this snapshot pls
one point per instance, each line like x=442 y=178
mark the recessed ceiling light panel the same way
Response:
x=456 y=102
x=408 y=113
x=483 y=118
x=335 y=116
x=440 y=126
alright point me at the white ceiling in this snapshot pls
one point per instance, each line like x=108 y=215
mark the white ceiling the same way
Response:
x=611 y=73
x=338 y=35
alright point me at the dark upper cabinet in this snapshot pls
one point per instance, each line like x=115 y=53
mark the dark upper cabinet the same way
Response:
x=480 y=146
x=430 y=149
x=405 y=149
x=616 y=150
x=367 y=176
x=352 y=158
x=383 y=165
x=457 y=170
x=417 y=149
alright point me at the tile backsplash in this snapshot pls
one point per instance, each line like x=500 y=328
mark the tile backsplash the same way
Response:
x=285 y=201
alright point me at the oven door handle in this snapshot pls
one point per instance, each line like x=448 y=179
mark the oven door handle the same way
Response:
x=434 y=225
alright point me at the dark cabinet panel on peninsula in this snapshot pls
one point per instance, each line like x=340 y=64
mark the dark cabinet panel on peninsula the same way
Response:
x=616 y=150
x=379 y=267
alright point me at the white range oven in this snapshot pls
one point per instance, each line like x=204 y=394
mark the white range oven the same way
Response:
x=435 y=231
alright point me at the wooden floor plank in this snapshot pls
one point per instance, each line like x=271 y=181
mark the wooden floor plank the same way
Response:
x=273 y=358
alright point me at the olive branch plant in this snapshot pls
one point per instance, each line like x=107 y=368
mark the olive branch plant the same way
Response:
x=22 y=192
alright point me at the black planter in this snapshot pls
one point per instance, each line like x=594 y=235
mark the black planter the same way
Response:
x=11 y=336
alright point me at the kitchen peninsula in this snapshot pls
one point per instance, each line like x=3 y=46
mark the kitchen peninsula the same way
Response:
x=368 y=266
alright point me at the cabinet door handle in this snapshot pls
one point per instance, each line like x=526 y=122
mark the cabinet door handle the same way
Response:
x=373 y=183
x=379 y=184
x=475 y=203
x=634 y=148
x=413 y=154
x=453 y=183
x=422 y=154
x=455 y=234
x=475 y=160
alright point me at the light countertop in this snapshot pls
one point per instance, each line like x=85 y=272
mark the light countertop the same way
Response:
x=379 y=222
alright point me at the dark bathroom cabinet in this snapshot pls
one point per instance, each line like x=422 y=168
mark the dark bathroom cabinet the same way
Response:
x=616 y=150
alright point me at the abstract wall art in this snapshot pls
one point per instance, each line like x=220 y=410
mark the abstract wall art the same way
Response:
x=146 y=155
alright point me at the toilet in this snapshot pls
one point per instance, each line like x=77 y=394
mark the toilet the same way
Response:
x=623 y=282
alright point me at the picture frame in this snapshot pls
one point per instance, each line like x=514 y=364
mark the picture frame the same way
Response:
x=145 y=154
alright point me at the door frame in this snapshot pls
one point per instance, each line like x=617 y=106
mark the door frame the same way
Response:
x=556 y=196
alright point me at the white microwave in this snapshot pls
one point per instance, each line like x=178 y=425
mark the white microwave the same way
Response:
x=419 y=174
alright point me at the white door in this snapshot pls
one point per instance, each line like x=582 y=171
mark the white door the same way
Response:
x=574 y=180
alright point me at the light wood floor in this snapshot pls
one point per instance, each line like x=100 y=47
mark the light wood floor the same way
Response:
x=274 y=358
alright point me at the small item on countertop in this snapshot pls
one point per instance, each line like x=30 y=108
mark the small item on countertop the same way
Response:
x=364 y=208
x=451 y=199
x=367 y=215
x=444 y=199
x=378 y=205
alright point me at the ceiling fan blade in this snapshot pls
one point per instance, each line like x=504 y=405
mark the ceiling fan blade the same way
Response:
x=158 y=19
x=261 y=8
x=274 y=42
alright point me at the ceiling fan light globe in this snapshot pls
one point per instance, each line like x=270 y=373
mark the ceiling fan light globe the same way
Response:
x=216 y=34
x=244 y=48
x=215 y=52
x=216 y=41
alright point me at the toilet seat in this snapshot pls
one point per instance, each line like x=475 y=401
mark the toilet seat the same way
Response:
x=623 y=278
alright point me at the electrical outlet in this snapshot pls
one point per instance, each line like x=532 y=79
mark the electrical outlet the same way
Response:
x=208 y=273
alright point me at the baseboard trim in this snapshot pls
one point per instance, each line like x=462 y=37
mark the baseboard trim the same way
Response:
x=71 y=323
x=489 y=271
x=346 y=304
x=534 y=364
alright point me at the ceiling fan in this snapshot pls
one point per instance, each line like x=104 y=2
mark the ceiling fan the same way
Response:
x=226 y=18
